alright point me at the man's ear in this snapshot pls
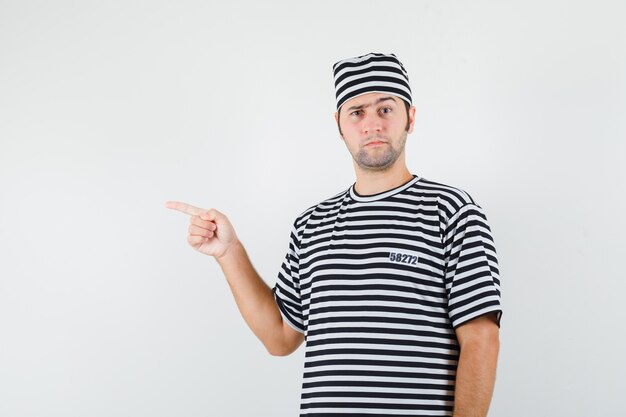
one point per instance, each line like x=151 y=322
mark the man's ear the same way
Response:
x=411 y=119
x=337 y=122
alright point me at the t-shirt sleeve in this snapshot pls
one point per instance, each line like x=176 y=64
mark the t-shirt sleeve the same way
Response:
x=287 y=287
x=472 y=277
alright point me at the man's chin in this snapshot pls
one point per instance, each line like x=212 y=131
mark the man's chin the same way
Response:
x=375 y=165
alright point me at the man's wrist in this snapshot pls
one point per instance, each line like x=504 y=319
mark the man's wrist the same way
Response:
x=231 y=252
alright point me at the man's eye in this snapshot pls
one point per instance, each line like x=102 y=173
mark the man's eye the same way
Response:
x=355 y=112
x=386 y=109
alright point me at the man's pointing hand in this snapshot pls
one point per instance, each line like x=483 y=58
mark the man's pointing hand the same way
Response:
x=210 y=231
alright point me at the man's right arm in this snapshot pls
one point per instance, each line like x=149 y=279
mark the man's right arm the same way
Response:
x=256 y=303
x=211 y=233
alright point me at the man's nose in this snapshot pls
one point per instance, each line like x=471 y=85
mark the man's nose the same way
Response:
x=371 y=123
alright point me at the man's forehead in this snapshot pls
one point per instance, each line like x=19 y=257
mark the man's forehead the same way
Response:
x=368 y=99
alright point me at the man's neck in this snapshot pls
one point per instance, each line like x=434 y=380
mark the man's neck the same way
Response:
x=374 y=182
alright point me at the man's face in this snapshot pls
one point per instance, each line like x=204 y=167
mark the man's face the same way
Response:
x=375 y=128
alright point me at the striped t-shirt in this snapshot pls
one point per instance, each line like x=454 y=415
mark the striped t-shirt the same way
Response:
x=377 y=284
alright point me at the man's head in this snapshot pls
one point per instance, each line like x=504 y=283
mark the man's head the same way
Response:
x=373 y=104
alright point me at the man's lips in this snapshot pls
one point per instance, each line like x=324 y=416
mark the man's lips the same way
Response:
x=375 y=142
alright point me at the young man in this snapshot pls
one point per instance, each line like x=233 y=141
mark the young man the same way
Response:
x=393 y=282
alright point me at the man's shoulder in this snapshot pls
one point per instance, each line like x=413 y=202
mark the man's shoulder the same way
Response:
x=453 y=196
x=450 y=199
x=321 y=207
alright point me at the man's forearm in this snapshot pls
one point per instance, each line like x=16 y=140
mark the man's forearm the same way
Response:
x=475 y=378
x=253 y=296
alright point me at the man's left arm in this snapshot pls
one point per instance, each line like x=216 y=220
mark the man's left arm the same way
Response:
x=479 y=343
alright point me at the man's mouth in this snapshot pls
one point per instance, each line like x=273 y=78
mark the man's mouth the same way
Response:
x=375 y=143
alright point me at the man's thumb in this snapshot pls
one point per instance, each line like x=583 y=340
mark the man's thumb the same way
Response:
x=210 y=215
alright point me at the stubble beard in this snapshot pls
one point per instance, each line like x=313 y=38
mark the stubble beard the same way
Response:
x=377 y=159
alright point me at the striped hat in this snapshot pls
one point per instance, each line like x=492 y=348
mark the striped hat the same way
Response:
x=374 y=72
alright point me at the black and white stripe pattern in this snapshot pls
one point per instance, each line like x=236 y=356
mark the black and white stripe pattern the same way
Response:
x=378 y=284
x=373 y=72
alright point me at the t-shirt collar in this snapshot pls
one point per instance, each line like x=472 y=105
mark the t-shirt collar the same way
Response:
x=378 y=196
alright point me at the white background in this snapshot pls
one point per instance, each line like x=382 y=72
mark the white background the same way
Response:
x=108 y=109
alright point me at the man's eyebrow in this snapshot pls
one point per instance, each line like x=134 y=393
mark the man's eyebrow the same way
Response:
x=369 y=104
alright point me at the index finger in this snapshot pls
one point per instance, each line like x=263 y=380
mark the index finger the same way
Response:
x=184 y=207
